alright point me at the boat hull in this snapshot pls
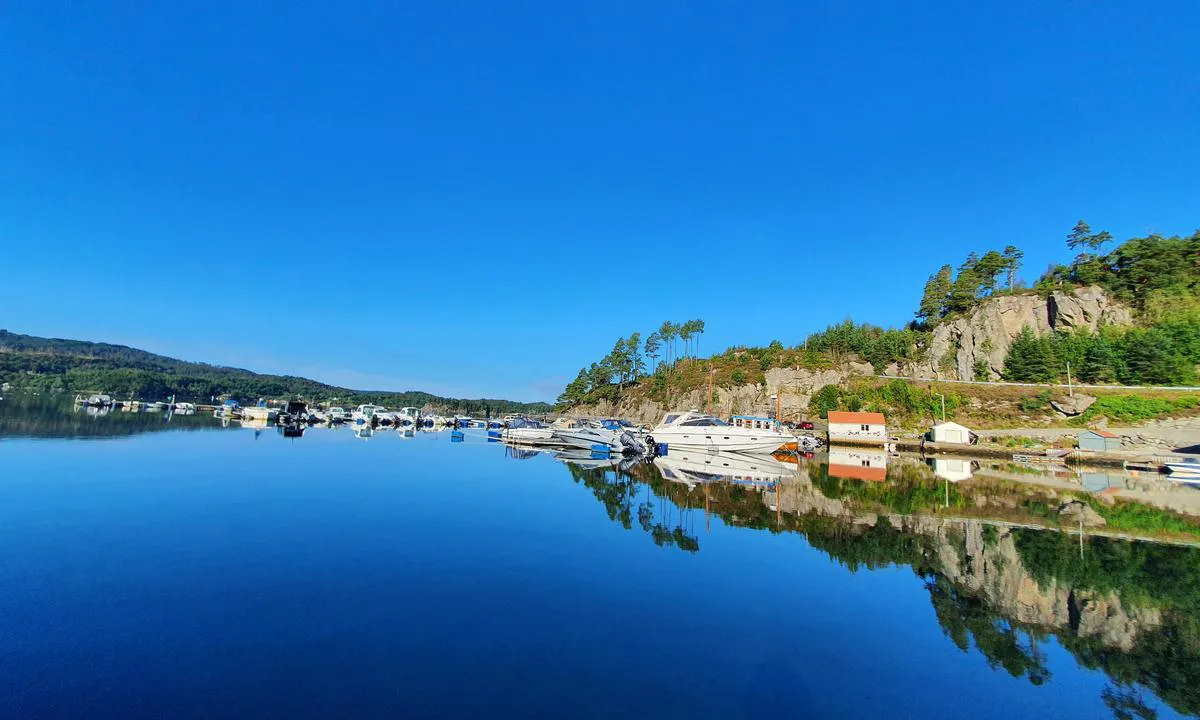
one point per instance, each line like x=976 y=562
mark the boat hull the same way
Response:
x=722 y=443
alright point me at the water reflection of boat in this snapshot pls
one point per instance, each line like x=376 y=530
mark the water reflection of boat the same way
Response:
x=520 y=453
x=363 y=432
x=857 y=463
x=699 y=468
x=1187 y=470
x=585 y=459
x=292 y=430
x=952 y=469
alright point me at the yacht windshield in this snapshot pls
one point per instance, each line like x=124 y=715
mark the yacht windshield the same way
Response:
x=704 y=422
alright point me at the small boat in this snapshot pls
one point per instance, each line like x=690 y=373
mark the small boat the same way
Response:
x=185 y=408
x=365 y=414
x=694 y=429
x=589 y=436
x=98 y=401
x=339 y=415
x=1186 y=470
x=463 y=421
x=408 y=416
x=528 y=432
x=260 y=413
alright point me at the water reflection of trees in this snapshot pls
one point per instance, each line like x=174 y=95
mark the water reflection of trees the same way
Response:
x=1154 y=587
x=617 y=488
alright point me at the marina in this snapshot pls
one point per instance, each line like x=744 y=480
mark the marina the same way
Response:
x=692 y=429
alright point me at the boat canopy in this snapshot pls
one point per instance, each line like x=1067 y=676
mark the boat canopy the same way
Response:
x=524 y=423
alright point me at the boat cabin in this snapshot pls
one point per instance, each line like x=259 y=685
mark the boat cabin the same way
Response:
x=692 y=419
x=754 y=422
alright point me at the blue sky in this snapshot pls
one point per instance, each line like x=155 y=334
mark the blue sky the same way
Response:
x=478 y=198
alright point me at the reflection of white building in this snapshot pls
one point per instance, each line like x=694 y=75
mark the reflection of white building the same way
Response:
x=952 y=469
x=857 y=463
x=866 y=428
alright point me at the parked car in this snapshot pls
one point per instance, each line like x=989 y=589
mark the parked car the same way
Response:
x=806 y=425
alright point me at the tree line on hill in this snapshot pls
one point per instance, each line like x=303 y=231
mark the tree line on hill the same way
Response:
x=74 y=366
x=1159 y=277
x=626 y=363
x=1163 y=354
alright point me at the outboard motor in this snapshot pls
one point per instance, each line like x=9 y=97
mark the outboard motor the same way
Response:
x=631 y=444
x=651 y=446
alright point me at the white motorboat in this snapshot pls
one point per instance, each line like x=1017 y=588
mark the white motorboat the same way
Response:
x=408 y=416
x=590 y=435
x=529 y=432
x=185 y=408
x=1186 y=470
x=586 y=436
x=365 y=414
x=339 y=415
x=694 y=429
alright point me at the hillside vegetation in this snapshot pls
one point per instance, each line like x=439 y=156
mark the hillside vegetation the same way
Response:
x=74 y=366
x=1157 y=277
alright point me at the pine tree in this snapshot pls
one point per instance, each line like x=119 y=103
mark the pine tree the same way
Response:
x=989 y=268
x=1097 y=361
x=1078 y=237
x=1014 y=256
x=964 y=292
x=1030 y=358
x=651 y=348
x=937 y=290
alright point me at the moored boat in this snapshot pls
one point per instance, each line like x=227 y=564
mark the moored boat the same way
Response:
x=1186 y=470
x=528 y=432
x=694 y=429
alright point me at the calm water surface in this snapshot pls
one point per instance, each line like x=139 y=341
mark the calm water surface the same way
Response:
x=227 y=572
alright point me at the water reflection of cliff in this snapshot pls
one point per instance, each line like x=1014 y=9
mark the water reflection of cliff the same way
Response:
x=1129 y=609
x=55 y=417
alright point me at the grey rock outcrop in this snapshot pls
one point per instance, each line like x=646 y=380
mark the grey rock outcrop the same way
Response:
x=988 y=331
x=1073 y=405
x=1077 y=511
x=795 y=388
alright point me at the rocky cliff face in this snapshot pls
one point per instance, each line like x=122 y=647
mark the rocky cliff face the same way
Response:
x=795 y=388
x=988 y=331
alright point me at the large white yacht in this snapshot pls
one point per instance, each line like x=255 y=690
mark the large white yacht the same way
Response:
x=694 y=429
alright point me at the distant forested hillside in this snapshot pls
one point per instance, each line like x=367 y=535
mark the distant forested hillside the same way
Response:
x=75 y=366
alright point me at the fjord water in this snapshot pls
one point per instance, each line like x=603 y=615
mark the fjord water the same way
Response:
x=228 y=572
